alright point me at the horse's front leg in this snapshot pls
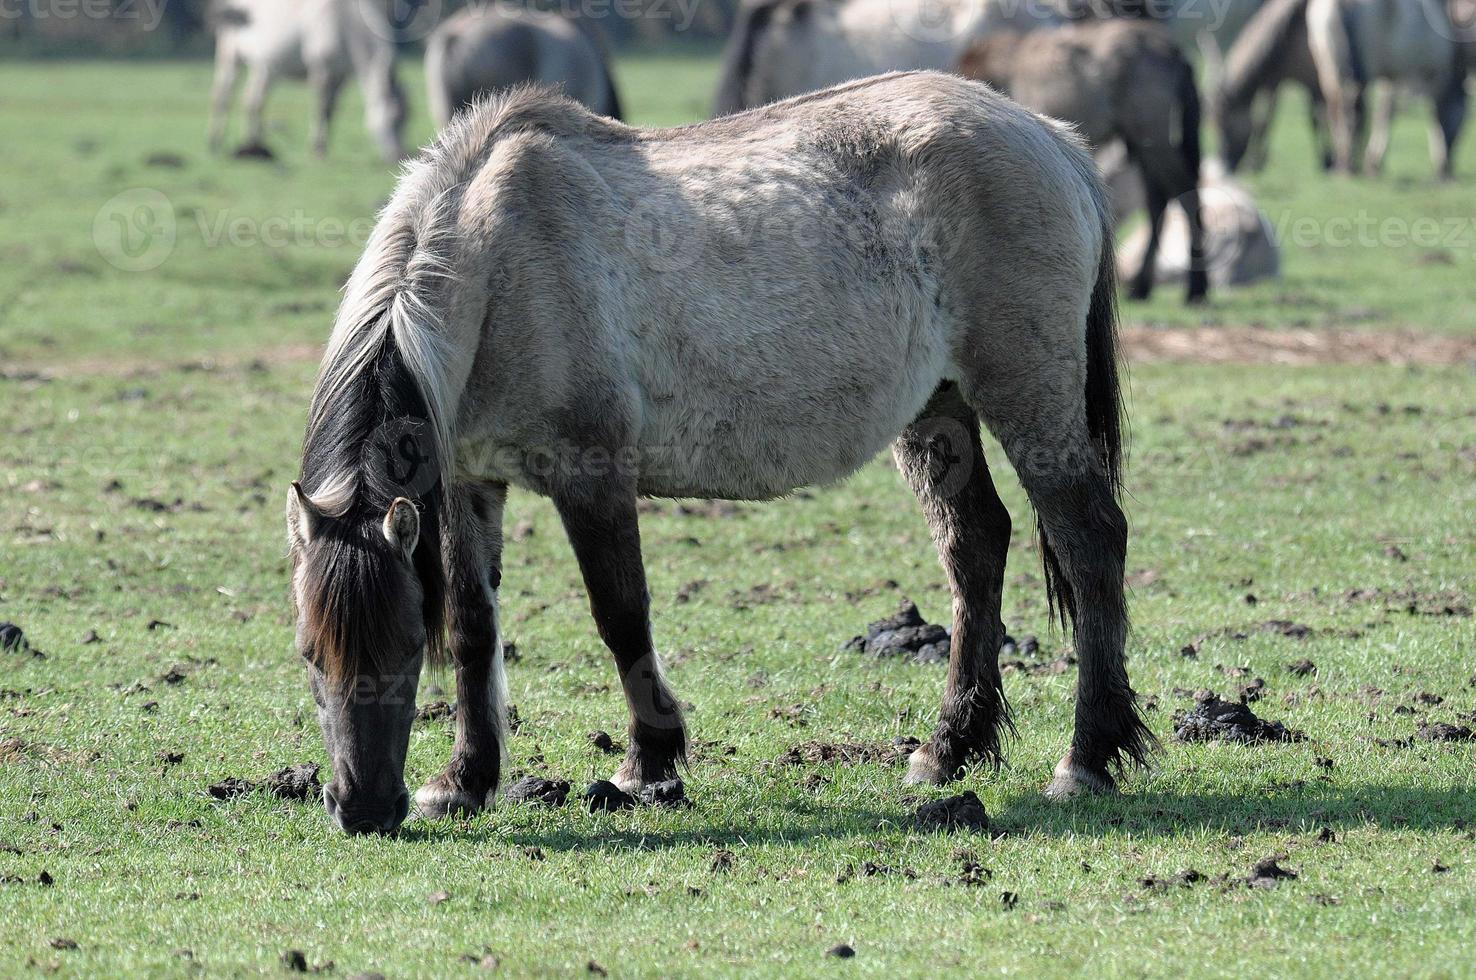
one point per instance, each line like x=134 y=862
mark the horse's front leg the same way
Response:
x=599 y=515
x=473 y=560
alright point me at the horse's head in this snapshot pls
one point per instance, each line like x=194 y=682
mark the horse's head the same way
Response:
x=363 y=631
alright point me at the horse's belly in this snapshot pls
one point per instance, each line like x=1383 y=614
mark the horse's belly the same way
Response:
x=746 y=431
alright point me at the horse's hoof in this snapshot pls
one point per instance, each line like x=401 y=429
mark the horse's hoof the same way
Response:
x=923 y=769
x=435 y=800
x=1071 y=780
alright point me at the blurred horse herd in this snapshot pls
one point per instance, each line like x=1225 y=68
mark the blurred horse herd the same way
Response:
x=1136 y=77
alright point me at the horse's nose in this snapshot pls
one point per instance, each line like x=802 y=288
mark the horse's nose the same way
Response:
x=356 y=817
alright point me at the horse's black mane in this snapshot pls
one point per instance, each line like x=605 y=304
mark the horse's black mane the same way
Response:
x=374 y=430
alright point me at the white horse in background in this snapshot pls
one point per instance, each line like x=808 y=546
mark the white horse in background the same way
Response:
x=780 y=48
x=324 y=40
x=1408 y=44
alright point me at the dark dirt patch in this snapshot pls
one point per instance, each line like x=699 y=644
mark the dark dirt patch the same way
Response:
x=536 y=789
x=435 y=711
x=13 y=640
x=1415 y=602
x=1058 y=666
x=604 y=795
x=602 y=741
x=1302 y=668
x=904 y=634
x=848 y=753
x=1183 y=879
x=299 y=782
x=1268 y=873
x=1254 y=345
x=1287 y=628
x=671 y=793
x=962 y=812
x=1212 y=719
x=1439 y=731
x=1251 y=691
x=841 y=951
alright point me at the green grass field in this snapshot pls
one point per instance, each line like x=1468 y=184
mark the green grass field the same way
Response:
x=151 y=421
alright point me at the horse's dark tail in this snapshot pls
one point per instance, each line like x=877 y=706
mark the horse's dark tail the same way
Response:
x=1104 y=409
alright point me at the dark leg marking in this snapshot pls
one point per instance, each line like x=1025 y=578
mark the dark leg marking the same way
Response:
x=474 y=563
x=603 y=529
x=943 y=460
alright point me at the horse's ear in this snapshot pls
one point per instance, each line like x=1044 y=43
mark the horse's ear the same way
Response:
x=302 y=516
x=402 y=525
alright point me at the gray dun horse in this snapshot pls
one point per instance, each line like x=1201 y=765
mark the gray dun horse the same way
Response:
x=555 y=301
x=1115 y=80
x=1411 y=44
x=325 y=40
x=483 y=50
x=780 y=48
x=1272 y=50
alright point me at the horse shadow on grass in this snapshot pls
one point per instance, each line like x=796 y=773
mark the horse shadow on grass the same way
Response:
x=1308 y=807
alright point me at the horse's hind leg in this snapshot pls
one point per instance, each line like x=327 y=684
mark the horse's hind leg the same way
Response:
x=222 y=89
x=474 y=562
x=1450 y=117
x=1142 y=284
x=258 y=83
x=600 y=519
x=943 y=460
x=1084 y=540
x=326 y=84
x=1385 y=98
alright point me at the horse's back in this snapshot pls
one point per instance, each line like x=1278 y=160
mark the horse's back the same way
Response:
x=813 y=268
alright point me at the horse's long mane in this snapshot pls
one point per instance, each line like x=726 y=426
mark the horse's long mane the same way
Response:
x=1261 y=43
x=380 y=424
x=379 y=428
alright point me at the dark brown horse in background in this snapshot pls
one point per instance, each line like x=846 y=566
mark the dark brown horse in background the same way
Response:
x=1115 y=79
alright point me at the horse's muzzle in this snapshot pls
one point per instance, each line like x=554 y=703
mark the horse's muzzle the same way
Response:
x=371 y=818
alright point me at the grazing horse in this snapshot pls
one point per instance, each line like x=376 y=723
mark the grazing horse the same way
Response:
x=1409 y=43
x=1211 y=26
x=735 y=309
x=483 y=50
x=326 y=40
x=1273 y=49
x=1115 y=80
x=780 y=48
